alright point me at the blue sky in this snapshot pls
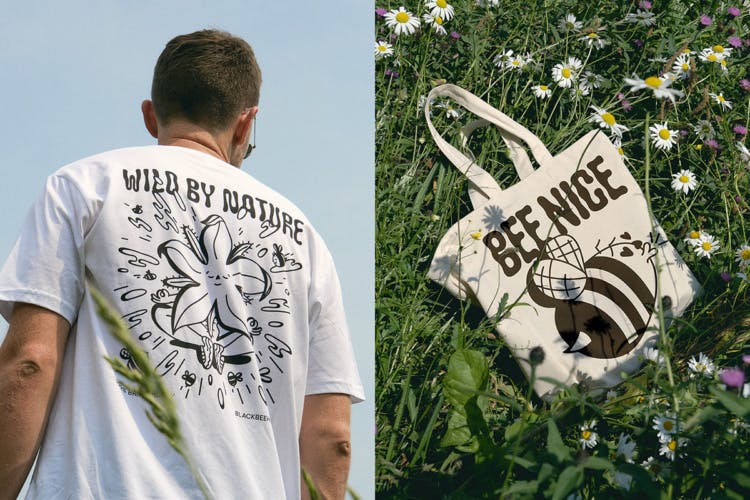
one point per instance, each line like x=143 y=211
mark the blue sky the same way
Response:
x=75 y=73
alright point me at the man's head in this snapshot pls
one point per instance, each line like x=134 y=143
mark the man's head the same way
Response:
x=207 y=78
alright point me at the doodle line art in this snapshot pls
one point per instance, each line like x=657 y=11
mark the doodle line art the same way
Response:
x=208 y=307
x=603 y=306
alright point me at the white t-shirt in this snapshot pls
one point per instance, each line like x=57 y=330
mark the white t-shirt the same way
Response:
x=225 y=285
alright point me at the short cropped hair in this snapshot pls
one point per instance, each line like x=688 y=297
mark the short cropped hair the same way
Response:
x=207 y=77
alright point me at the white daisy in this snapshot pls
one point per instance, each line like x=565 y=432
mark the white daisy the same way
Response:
x=517 y=61
x=642 y=17
x=681 y=66
x=565 y=73
x=659 y=86
x=702 y=365
x=669 y=448
x=742 y=256
x=579 y=90
x=617 y=143
x=744 y=153
x=706 y=246
x=594 y=39
x=684 y=181
x=569 y=24
x=383 y=49
x=501 y=60
x=716 y=54
x=694 y=237
x=542 y=91
x=605 y=119
x=704 y=129
x=591 y=80
x=611 y=394
x=651 y=353
x=666 y=426
x=440 y=8
x=588 y=436
x=719 y=99
x=655 y=467
x=626 y=447
x=662 y=137
x=402 y=21
x=488 y=3
x=436 y=22
x=451 y=111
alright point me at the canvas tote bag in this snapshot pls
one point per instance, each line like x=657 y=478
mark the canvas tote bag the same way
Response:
x=573 y=247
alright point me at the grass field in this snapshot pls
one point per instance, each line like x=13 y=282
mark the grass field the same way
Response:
x=455 y=415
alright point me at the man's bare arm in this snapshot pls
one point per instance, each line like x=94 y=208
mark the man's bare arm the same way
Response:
x=324 y=441
x=30 y=360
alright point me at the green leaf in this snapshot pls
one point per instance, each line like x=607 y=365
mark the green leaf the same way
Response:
x=555 y=444
x=737 y=405
x=467 y=374
x=521 y=488
x=570 y=479
x=458 y=433
x=597 y=463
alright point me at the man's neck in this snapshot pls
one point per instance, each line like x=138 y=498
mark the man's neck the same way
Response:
x=189 y=136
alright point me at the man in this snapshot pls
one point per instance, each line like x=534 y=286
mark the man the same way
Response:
x=223 y=282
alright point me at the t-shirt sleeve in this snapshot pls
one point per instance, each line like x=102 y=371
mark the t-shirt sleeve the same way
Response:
x=331 y=364
x=45 y=266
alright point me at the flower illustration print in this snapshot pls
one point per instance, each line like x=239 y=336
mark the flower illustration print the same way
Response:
x=216 y=282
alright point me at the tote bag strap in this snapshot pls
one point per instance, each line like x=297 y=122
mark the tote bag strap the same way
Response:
x=517 y=152
x=482 y=183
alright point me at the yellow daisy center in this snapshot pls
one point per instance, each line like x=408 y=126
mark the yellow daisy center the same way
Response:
x=672 y=445
x=593 y=35
x=667 y=425
x=698 y=147
x=619 y=150
x=706 y=246
x=653 y=82
x=515 y=62
x=439 y=20
x=684 y=179
x=382 y=48
x=441 y=3
x=565 y=73
x=745 y=254
x=608 y=118
x=720 y=98
x=723 y=62
x=694 y=235
x=718 y=49
x=665 y=134
x=687 y=50
x=712 y=57
x=543 y=88
x=402 y=17
x=586 y=434
x=685 y=66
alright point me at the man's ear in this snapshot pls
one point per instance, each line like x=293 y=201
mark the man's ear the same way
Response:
x=149 y=118
x=243 y=125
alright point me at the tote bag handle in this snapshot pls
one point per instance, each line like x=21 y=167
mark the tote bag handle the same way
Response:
x=482 y=183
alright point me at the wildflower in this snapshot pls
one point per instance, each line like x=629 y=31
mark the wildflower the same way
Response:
x=746 y=359
x=501 y=59
x=657 y=468
x=704 y=129
x=565 y=73
x=745 y=84
x=665 y=426
x=617 y=143
x=626 y=447
x=684 y=181
x=579 y=90
x=569 y=24
x=588 y=436
x=715 y=54
x=702 y=365
x=669 y=448
x=391 y=73
x=734 y=41
x=733 y=11
x=517 y=61
x=542 y=91
x=611 y=394
x=694 y=237
x=383 y=49
x=662 y=137
x=440 y=8
x=725 y=276
x=681 y=65
x=436 y=22
x=742 y=256
x=455 y=35
x=719 y=98
x=591 y=80
x=605 y=119
x=732 y=377
x=713 y=144
x=651 y=353
x=706 y=20
x=744 y=153
x=659 y=86
x=380 y=11
x=594 y=39
x=644 y=4
x=488 y=3
x=402 y=21
x=644 y=18
x=451 y=111
x=706 y=246
x=739 y=129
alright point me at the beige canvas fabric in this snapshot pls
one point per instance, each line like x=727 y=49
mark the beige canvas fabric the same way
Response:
x=573 y=247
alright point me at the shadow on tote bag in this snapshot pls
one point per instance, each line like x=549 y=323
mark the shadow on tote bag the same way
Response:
x=573 y=247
